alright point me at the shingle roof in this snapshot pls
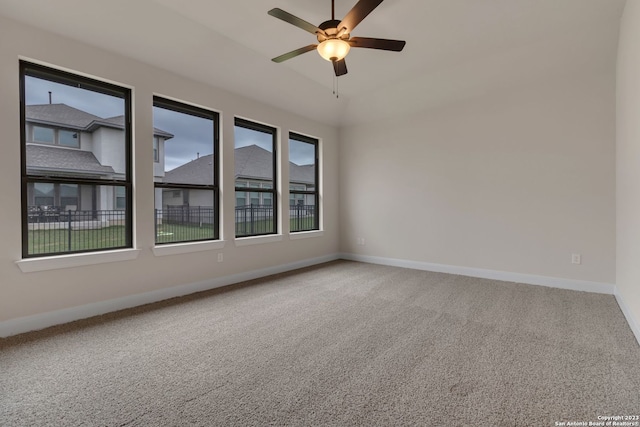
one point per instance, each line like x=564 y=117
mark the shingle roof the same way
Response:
x=304 y=174
x=66 y=116
x=199 y=171
x=57 y=159
x=251 y=162
x=60 y=114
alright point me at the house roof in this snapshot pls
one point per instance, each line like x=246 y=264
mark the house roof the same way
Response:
x=251 y=162
x=70 y=117
x=60 y=114
x=198 y=171
x=302 y=173
x=254 y=162
x=56 y=159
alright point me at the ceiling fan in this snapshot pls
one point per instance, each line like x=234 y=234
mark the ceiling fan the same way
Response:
x=334 y=37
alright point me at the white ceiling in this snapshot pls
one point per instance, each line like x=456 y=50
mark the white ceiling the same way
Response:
x=455 y=48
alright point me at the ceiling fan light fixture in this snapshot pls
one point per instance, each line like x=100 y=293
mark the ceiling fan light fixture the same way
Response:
x=333 y=49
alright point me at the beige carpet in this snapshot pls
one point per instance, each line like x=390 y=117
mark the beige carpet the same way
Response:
x=340 y=344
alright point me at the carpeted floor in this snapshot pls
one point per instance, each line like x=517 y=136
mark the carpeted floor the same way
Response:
x=339 y=344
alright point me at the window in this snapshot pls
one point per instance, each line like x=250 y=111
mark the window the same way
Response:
x=48 y=135
x=41 y=134
x=68 y=196
x=255 y=174
x=68 y=138
x=44 y=194
x=156 y=149
x=303 y=183
x=187 y=190
x=121 y=197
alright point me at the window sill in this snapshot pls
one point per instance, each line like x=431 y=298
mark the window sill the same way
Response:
x=187 y=247
x=298 y=235
x=258 y=240
x=76 y=260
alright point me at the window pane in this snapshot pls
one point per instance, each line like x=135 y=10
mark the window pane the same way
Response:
x=185 y=143
x=253 y=155
x=41 y=134
x=188 y=147
x=83 y=218
x=302 y=166
x=254 y=167
x=255 y=218
x=68 y=138
x=303 y=209
x=98 y=115
x=180 y=222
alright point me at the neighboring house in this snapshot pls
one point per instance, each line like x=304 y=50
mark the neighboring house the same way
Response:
x=64 y=141
x=253 y=169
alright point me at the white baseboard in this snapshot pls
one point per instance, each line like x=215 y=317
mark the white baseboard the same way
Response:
x=40 y=321
x=633 y=323
x=44 y=320
x=553 y=282
x=529 y=279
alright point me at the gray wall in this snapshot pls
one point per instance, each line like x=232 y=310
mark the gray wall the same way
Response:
x=514 y=181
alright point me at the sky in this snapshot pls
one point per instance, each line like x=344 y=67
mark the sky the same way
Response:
x=192 y=135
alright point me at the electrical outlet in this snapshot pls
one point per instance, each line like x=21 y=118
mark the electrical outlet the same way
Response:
x=576 y=259
x=362 y=241
x=220 y=257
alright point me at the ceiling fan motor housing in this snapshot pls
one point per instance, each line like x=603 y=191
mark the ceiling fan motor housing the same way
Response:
x=331 y=31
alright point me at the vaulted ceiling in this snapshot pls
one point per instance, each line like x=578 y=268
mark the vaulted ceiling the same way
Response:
x=455 y=48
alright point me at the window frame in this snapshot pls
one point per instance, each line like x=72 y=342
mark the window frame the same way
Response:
x=184 y=108
x=316 y=192
x=75 y=80
x=270 y=130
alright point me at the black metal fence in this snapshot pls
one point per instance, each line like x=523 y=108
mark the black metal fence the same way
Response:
x=52 y=230
x=258 y=219
x=303 y=217
x=254 y=219
x=184 y=223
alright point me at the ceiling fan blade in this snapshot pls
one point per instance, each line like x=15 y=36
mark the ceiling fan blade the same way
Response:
x=382 y=44
x=340 y=67
x=294 y=20
x=357 y=14
x=294 y=53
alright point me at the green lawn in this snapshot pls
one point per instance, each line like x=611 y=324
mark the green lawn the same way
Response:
x=168 y=233
x=55 y=241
